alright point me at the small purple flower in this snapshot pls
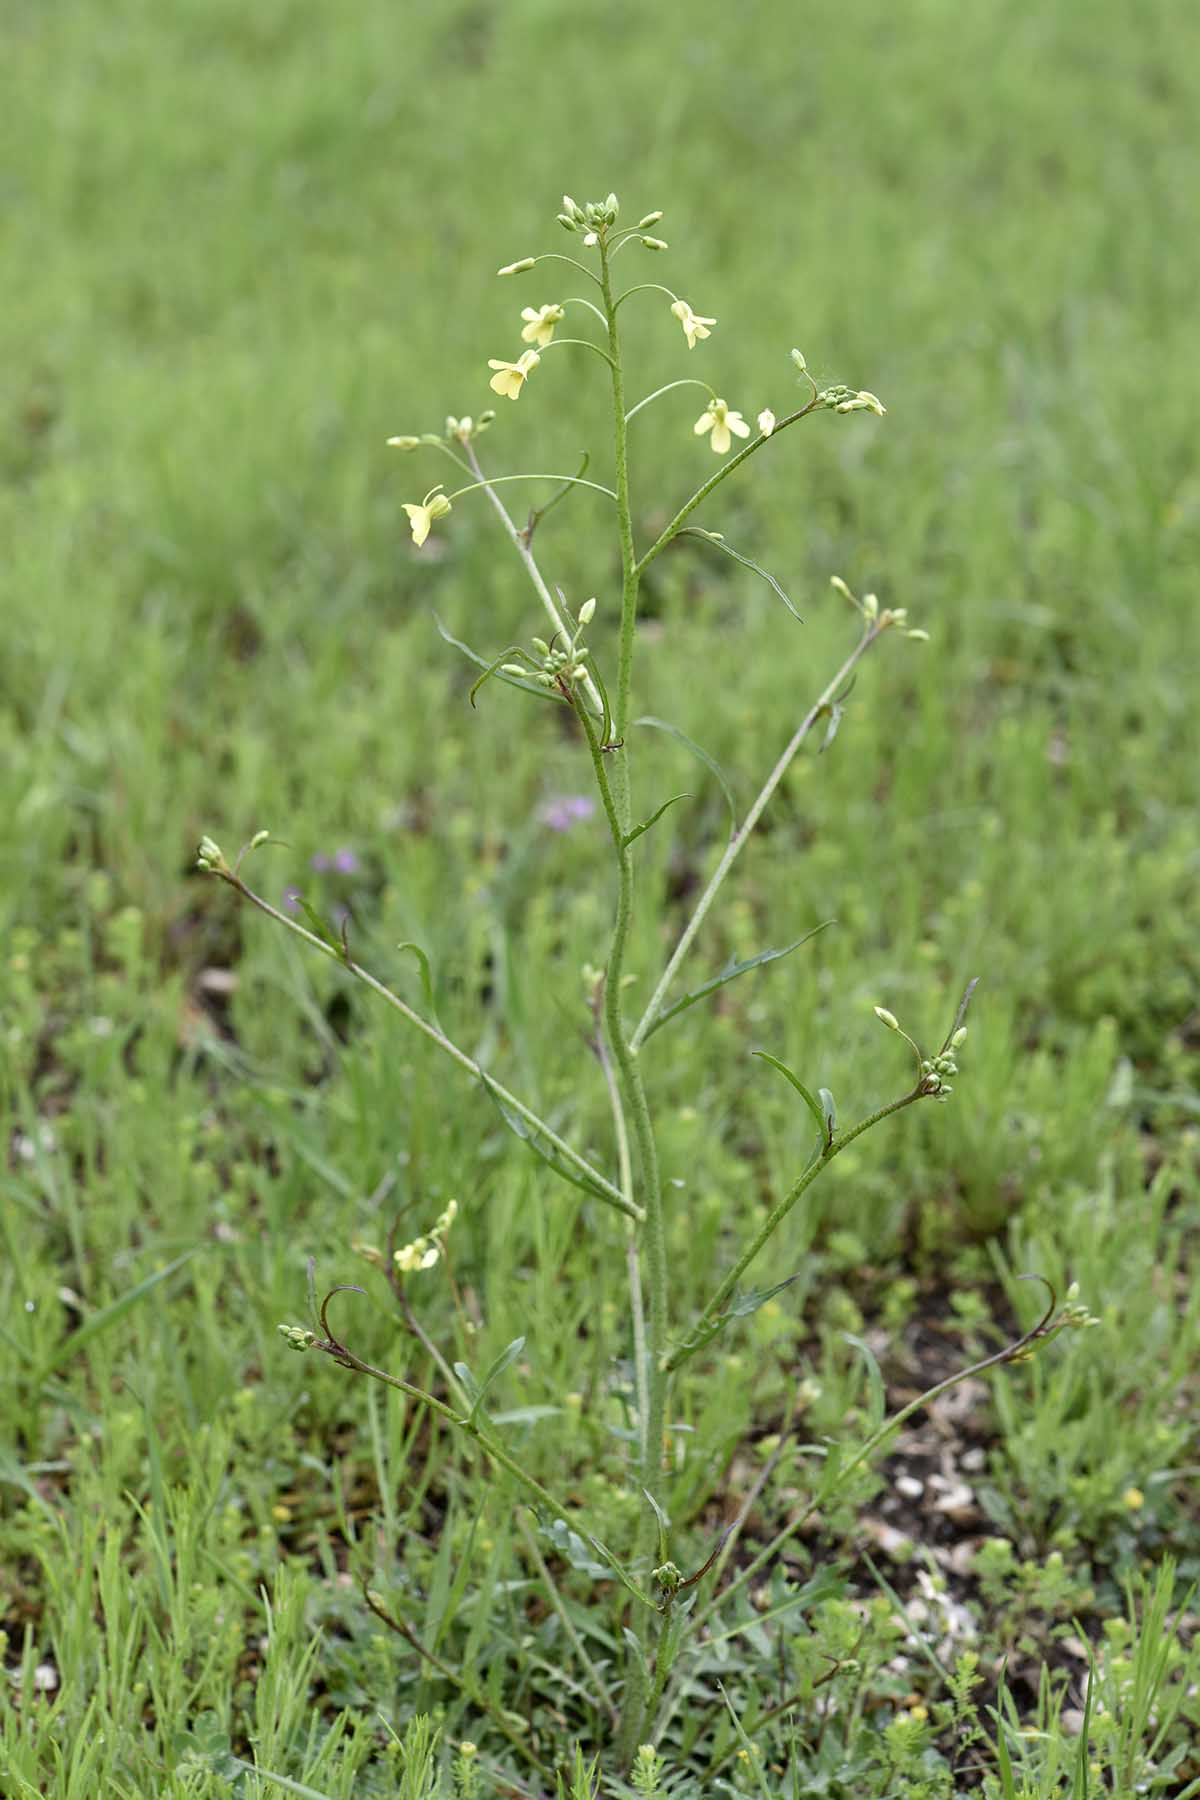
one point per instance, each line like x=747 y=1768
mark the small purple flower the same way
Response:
x=342 y=862
x=566 y=810
x=291 y=899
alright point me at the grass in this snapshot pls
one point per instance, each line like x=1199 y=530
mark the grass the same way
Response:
x=255 y=243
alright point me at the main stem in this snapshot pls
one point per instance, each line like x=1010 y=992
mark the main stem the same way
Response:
x=616 y=797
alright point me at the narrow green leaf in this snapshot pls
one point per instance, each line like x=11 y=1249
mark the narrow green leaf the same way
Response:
x=805 y=1094
x=828 y=1114
x=481 y=662
x=319 y=926
x=874 y=1379
x=631 y=837
x=730 y=972
x=750 y=1302
x=747 y=562
x=572 y=1548
x=737 y=1309
x=664 y=1524
x=426 y=979
x=1007 y=1778
x=508 y=1355
x=542 y=1149
x=709 y=762
x=837 y=713
x=615 y=1568
x=468 y=1381
x=109 y=1316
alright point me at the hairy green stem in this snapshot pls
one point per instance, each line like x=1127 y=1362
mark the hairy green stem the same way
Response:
x=653 y=1422
x=705 y=489
x=630 y=572
x=662 y=1669
x=348 y=1360
x=1045 y=1327
x=632 y=1260
x=737 y=842
x=775 y=1219
x=607 y=1189
x=520 y=544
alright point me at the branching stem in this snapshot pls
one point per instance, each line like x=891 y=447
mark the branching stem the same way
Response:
x=737 y=842
x=607 y=1189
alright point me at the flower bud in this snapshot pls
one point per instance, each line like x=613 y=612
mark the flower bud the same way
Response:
x=541 y=646
x=513 y=669
x=922 y=637
x=650 y=219
x=209 y=856
x=798 y=359
x=573 y=211
x=566 y=223
x=403 y=443
x=889 y=1019
x=517 y=268
x=650 y=243
x=766 y=421
x=961 y=1033
x=587 y=611
x=612 y=207
x=260 y=837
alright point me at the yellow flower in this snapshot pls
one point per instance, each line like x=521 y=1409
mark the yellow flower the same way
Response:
x=721 y=421
x=509 y=378
x=540 y=323
x=766 y=421
x=434 y=506
x=693 y=325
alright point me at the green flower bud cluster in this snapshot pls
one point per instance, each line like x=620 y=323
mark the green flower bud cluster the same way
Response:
x=557 y=663
x=591 y=219
x=1075 y=1316
x=934 y=1070
x=668 y=1577
x=466 y=428
x=211 y=858
x=848 y=400
x=296 y=1337
x=885 y=619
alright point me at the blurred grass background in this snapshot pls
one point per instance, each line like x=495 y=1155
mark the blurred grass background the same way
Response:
x=244 y=246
